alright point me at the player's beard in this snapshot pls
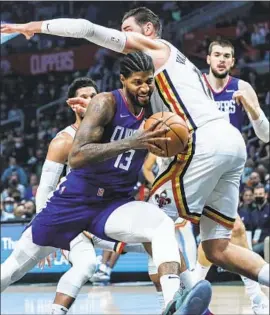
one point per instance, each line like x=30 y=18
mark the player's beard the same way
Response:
x=220 y=75
x=135 y=100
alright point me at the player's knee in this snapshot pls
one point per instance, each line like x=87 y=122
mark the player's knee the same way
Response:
x=167 y=225
x=215 y=250
x=238 y=228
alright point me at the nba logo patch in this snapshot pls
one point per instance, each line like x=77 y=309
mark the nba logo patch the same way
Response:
x=100 y=192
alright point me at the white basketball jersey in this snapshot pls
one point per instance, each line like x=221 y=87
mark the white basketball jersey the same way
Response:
x=182 y=89
x=71 y=130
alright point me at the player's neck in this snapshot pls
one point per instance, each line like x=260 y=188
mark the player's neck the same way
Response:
x=135 y=110
x=217 y=84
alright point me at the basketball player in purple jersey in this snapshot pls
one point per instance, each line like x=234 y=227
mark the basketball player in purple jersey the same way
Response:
x=234 y=96
x=107 y=154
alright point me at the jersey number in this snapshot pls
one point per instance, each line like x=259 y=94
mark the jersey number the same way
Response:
x=124 y=160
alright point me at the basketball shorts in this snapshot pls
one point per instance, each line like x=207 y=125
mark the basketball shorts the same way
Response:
x=205 y=180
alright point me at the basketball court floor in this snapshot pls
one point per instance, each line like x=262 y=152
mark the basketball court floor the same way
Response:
x=120 y=298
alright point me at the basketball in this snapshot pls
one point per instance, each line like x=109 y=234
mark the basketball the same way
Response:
x=178 y=132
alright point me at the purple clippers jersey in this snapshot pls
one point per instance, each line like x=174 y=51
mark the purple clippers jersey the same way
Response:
x=226 y=103
x=118 y=175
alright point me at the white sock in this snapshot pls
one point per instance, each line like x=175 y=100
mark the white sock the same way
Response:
x=170 y=284
x=252 y=287
x=161 y=301
x=263 y=277
x=187 y=280
x=109 y=270
x=102 y=267
x=201 y=271
x=59 y=309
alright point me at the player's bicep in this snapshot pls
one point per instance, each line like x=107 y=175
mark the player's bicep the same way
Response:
x=99 y=113
x=59 y=148
x=243 y=85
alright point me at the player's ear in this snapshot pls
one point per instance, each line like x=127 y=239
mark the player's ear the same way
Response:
x=148 y=29
x=233 y=62
x=208 y=59
x=122 y=79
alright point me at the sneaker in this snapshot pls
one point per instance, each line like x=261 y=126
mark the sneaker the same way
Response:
x=260 y=305
x=194 y=302
x=100 y=276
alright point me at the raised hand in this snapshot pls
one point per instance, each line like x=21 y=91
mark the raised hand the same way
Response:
x=78 y=105
x=24 y=29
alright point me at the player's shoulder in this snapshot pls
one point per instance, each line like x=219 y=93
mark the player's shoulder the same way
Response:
x=60 y=147
x=62 y=140
x=243 y=85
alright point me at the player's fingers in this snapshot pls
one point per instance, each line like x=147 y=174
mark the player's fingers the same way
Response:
x=154 y=125
x=63 y=253
x=159 y=140
x=156 y=150
x=48 y=261
x=41 y=263
x=77 y=101
x=159 y=132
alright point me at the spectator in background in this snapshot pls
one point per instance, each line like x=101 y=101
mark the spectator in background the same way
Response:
x=246 y=207
x=5 y=216
x=260 y=219
x=263 y=155
x=13 y=185
x=8 y=207
x=29 y=209
x=14 y=168
x=15 y=112
x=254 y=180
x=20 y=150
x=31 y=190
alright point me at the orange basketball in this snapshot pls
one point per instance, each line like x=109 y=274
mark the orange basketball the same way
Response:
x=178 y=132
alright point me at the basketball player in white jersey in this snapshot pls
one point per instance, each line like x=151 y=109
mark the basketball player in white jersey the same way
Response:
x=232 y=96
x=203 y=183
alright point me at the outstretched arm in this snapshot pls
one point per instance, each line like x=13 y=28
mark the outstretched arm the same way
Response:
x=123 y=42
x=248 y=98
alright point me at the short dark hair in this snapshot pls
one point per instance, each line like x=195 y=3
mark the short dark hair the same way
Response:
x=136 y=62
x=143 y=15
x=80 y=83
x=259 y=186
x=222 y=43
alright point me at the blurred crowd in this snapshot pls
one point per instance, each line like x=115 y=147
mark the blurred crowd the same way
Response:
x=23 y=147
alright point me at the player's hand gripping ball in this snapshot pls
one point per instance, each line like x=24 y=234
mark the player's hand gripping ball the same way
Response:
x=178 y=132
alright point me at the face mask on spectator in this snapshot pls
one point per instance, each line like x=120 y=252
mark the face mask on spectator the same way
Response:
x=9 y=207
x=13 y=182
x=259 y=200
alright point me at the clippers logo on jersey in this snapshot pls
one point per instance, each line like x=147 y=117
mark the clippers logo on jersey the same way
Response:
x=228 y=106
x=121 y=133
x=162 y=199
x=226 y=103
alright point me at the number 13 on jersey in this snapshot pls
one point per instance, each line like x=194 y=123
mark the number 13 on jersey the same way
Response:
x=124 y=160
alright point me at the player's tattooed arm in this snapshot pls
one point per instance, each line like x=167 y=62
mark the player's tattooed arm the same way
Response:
x=87 y=147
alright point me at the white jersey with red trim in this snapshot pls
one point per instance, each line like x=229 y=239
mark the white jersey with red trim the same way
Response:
x=71 y=130
x=181 y=88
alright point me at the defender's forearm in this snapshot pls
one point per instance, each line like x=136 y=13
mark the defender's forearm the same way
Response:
x=81 y=28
